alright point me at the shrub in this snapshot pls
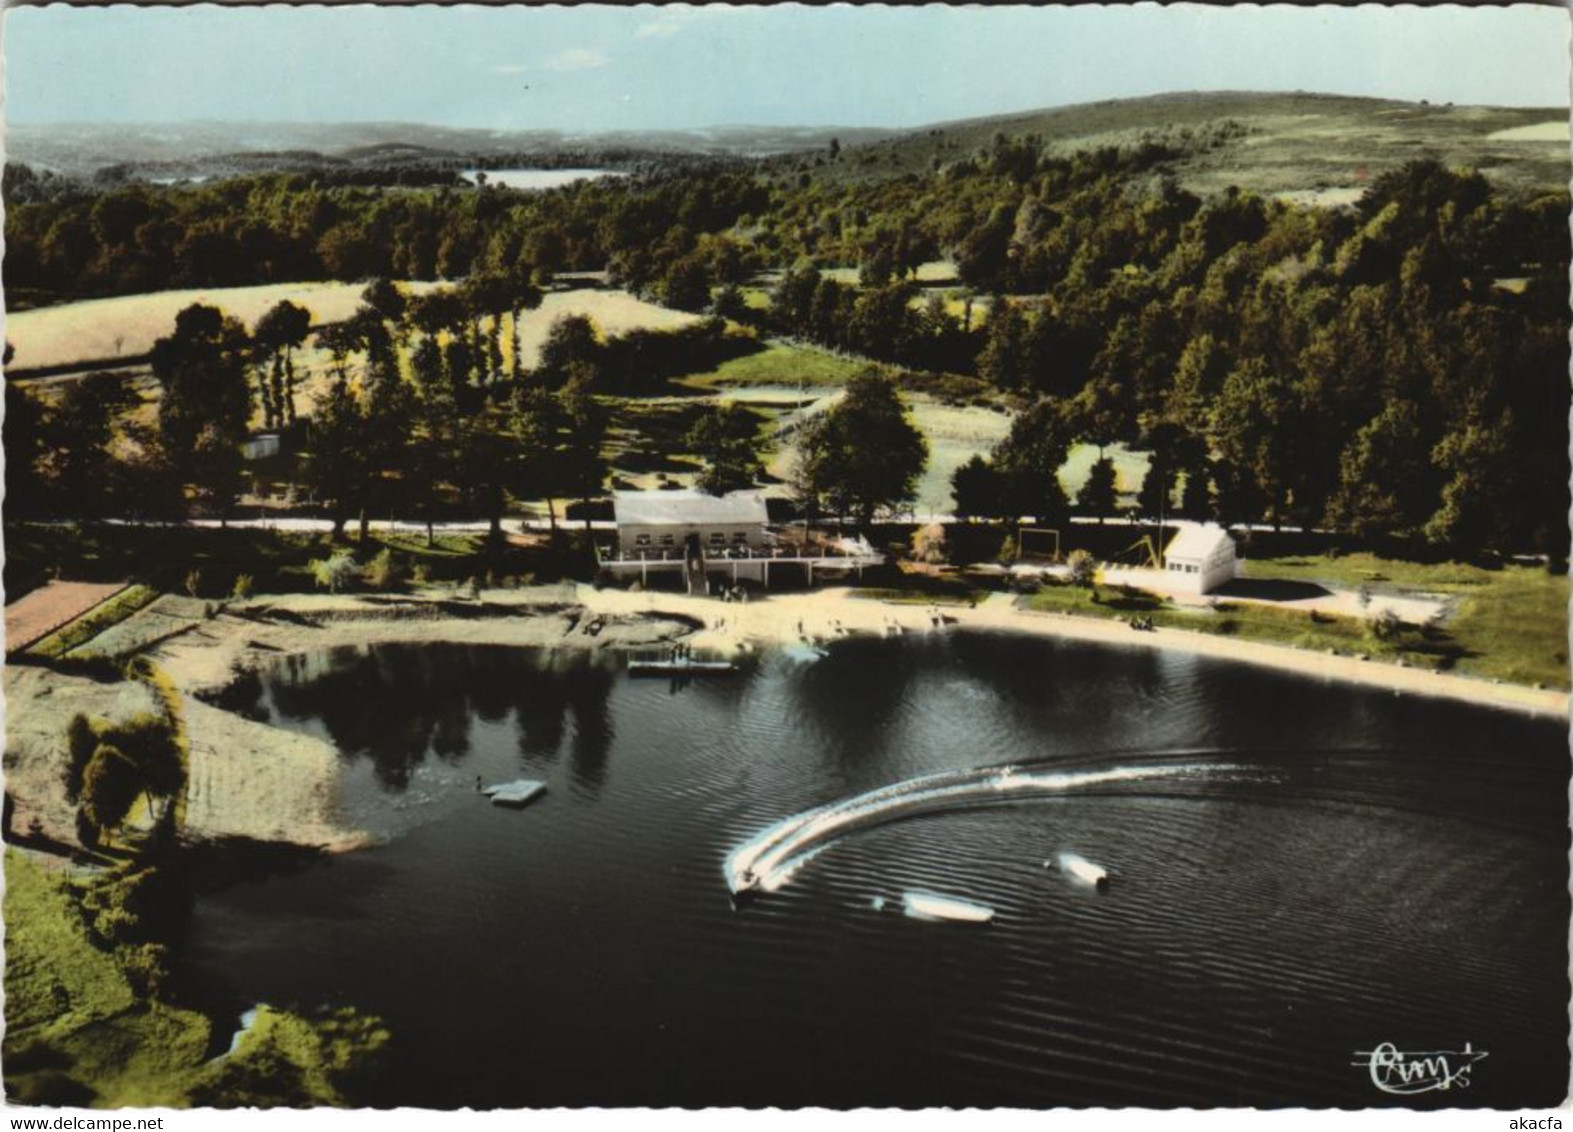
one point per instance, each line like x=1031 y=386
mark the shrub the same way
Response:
x=1082 y=568
x=1384 y=624
x=109 y=787
x=931 y=545
x=384 y=572
x=193 y=582
x=334 y=571
x=242 y=587
x=81 y=742
x=146 y=967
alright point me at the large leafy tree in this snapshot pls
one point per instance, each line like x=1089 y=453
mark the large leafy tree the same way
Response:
x=280 y=331
x=1478 y=459
x=1029 y=459
x=584 y=421
x=978 y=489
x=1387 y=484
x=29 y=438
x=726 y=439
x=572 y=347
x=1098 y=494
x=83 y=459
x=864 y=453
x=205 y=403
x=1248 y=425
x=432 y=453
x=337 y=464
x=538 y=424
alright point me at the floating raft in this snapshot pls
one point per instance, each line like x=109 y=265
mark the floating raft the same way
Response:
x=932 y=906
x=521 y=792
x=680 y=667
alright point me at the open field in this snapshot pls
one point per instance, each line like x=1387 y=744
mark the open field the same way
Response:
x=127 y=326
x=613 y=312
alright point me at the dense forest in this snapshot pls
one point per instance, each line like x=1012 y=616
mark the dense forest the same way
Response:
x=1395 y=369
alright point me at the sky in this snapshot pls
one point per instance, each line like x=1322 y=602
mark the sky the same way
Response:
x=671 y=67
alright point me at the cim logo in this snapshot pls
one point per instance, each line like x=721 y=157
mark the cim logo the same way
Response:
x=1395 y=1071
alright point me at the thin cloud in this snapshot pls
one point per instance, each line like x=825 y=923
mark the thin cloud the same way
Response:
x=510 y=68
x=576 y=59
x=660 y=29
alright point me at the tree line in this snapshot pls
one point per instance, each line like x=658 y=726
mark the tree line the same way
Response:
x=1395 y=369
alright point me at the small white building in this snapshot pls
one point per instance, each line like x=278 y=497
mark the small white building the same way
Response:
x=260 y=447
x=1200 y=558
x=655 y=521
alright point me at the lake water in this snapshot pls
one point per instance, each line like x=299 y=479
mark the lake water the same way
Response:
x=1337 y=868
x=537 y=178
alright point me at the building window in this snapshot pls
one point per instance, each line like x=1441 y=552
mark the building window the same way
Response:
x=641 y=540
x=717 y=538
x=668 y=540
x=740 y=537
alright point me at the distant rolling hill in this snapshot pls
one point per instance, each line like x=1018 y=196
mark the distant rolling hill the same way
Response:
x=1318 y=146
x=216 y=148
x=1271 y=143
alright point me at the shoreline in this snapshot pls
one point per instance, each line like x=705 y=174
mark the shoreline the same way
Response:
x=257 y=781
x=828 y=613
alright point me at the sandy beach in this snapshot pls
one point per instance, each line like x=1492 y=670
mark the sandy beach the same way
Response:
x=825 y=614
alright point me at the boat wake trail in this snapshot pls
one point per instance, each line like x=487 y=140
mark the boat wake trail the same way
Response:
x=768 y=860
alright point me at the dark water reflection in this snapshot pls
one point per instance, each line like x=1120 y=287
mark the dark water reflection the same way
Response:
x=1372 y=868
x=397 y=708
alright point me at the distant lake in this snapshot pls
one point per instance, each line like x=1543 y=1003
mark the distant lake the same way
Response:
x=537 y=178
x=1301 y=870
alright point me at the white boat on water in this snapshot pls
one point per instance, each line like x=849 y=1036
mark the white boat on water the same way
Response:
x=1078 y=868
x=933 y=906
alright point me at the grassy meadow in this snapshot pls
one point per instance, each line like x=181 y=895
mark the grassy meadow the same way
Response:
x=1506 y=624
x=80 y=1032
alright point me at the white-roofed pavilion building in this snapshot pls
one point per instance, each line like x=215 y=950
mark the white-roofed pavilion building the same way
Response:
x=727 y=538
